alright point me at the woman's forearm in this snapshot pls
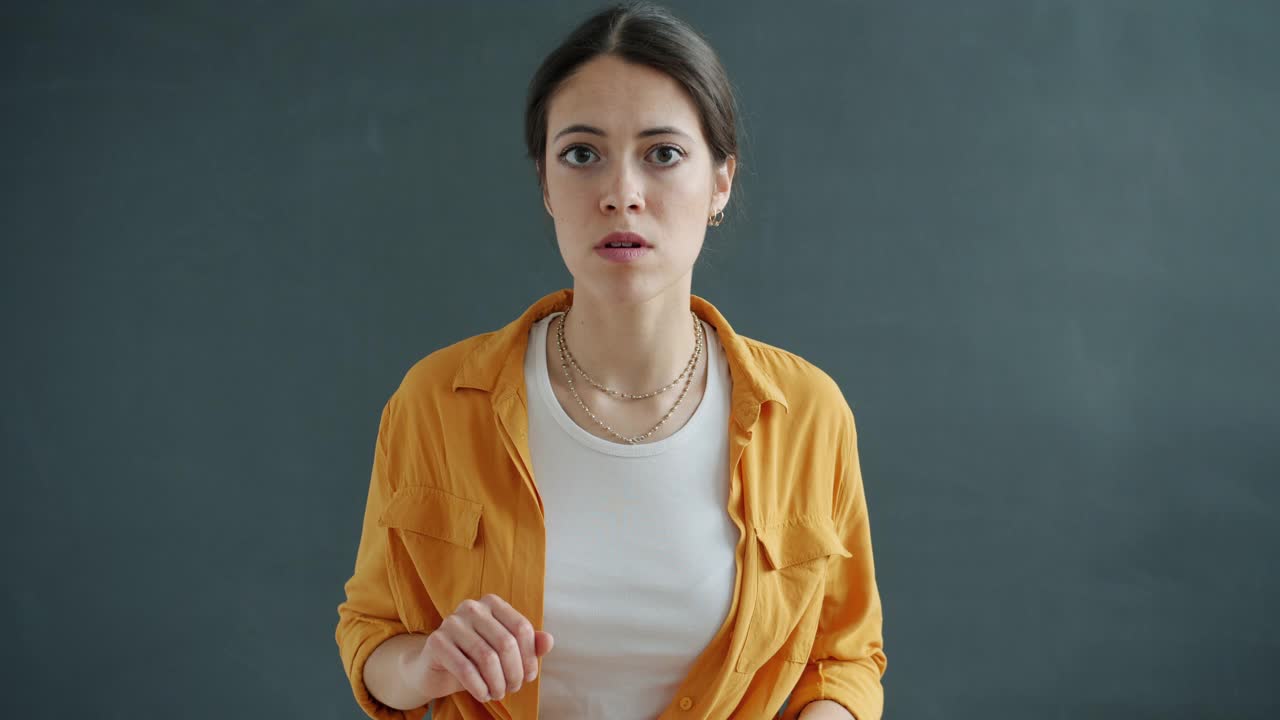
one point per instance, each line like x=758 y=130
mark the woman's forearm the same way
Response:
x=825 y=710
x=384 y=676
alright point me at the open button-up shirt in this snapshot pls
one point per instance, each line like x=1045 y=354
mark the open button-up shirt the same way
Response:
x=453 y=513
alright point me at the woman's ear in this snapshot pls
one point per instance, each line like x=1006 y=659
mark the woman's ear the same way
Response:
x=542 y=183
x=722 y=180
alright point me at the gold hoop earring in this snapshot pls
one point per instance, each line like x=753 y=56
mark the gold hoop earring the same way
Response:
x=716 y=218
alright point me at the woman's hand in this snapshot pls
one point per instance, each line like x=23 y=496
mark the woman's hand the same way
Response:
x=485 y=647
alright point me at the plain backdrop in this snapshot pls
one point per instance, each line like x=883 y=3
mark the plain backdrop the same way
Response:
x=1035 y=243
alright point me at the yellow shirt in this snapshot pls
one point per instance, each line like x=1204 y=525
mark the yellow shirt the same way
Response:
x=453 y=513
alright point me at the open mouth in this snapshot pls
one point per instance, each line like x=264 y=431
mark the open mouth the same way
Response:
x=623 y=239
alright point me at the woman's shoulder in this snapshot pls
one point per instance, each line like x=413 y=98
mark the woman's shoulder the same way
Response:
x=806 y=385
x=435 y=372
x=791 y=370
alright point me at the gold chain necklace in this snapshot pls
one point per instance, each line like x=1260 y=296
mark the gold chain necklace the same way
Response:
x=567 y=360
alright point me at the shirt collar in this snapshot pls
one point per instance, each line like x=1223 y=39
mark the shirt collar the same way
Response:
x=496 y=363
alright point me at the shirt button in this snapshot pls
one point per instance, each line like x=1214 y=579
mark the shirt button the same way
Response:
x=686 y=703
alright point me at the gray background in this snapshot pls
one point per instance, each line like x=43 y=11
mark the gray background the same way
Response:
x=1035 y=242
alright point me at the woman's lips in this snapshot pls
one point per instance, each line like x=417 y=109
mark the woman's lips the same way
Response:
x=622 y=255
x=623 y=237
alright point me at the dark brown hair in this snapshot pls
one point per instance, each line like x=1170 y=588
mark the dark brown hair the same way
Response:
x=645 y=34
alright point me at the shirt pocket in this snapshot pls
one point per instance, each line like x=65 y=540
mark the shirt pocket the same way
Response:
x=791 y=561
x=435 y=552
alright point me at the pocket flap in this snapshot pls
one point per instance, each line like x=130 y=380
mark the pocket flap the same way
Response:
x=428 y=511
x=800 y=540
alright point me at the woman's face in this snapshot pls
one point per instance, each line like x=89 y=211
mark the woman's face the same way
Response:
x=660 y=185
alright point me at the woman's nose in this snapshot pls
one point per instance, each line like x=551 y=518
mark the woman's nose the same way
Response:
x=624 y=191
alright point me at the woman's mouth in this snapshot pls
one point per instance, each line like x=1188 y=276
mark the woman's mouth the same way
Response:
x=622 y=254
x=623 y=247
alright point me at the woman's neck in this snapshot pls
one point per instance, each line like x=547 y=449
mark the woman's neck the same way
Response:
x=628 y=347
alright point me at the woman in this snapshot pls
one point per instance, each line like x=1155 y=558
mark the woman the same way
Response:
x=555 y=527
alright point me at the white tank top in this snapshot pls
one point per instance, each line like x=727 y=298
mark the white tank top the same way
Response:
x=640 y=548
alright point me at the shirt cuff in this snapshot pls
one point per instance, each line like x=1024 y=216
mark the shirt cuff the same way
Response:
x=848 y=682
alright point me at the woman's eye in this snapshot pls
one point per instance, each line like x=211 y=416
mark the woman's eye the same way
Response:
x=573 y=150
x=668 y=155
x=671 y=149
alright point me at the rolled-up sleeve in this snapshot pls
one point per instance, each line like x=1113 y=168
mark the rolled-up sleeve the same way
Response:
x=847 y=660
x=368 y=616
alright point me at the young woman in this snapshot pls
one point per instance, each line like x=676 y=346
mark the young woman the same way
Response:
x=615 y=506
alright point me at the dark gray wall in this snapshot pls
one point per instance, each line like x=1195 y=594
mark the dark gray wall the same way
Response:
x=1035 y=242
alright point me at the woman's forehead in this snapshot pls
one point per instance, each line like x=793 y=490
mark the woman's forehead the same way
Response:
x=609 y=91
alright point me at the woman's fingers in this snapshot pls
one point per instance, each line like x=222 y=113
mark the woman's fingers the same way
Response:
x=522 y=630
x=504 y=643
x=461 y=629
x=543 y=642
x=459 y=665
x=490 y=648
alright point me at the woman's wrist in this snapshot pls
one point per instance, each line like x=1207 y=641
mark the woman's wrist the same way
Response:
x=392 y=672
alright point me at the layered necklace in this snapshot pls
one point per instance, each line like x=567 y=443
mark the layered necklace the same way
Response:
x=566 y=360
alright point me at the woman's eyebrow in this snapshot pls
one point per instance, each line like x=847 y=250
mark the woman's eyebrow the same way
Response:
x=664 y=130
